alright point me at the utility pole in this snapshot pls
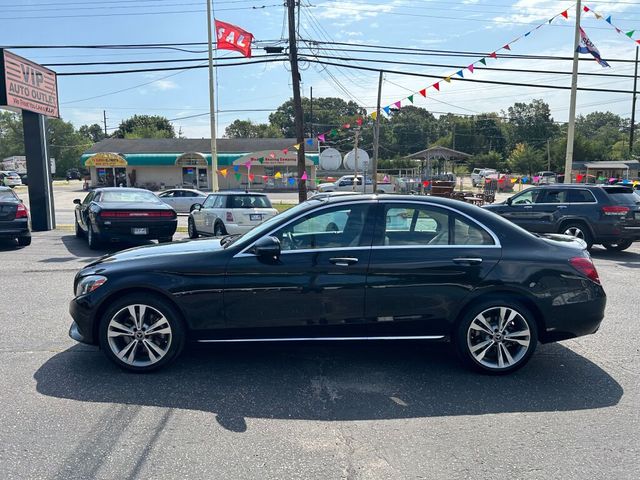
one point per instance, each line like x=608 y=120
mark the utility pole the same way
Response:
x=633 y=106
x=355 y=162
x=104 y=117
x=212 y=106
x=568 y=163
x=376 y=137
x=297 y=99
x=311 y=110
x=548 y=156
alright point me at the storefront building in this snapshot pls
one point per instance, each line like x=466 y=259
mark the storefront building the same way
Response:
x=157 y=164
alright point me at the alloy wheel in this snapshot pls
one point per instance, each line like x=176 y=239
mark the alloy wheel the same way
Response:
x=575 y=232
x=498 y=337
x=218 y=231
x=139 y=335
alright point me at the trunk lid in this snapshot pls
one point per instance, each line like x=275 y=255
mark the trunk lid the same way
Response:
x=566 y=241
x=8 y=211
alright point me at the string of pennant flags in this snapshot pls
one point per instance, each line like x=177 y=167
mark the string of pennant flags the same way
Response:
x=607 y=18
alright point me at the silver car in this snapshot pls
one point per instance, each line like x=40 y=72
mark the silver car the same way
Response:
x=182 y=199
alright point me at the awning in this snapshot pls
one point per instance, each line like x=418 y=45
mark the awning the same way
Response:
x=169 y=159
x=607 y=165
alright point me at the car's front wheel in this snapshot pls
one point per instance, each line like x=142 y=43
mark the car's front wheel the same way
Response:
x=141 y=333
x=618 y=247
x=496 y=337
x=191 y=229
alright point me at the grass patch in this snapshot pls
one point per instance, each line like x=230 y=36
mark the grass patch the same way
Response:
x=281 y=207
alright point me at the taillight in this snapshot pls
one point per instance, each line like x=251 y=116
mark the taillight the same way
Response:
x=615 y=210
x=22 y=211
x=136 y=214
x=586 y=267
x=229 y=217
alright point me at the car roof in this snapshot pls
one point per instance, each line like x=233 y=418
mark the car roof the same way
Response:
x=239 y=192
x=121 y=189
x=181 y=190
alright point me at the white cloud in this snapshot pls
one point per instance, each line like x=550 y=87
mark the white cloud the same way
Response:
x=163 y=85
x=350 y=12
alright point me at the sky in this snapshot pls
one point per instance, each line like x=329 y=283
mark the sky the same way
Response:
x=252 y=91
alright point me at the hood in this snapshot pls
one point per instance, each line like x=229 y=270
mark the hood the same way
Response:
x=559 y=240
x=164 y=249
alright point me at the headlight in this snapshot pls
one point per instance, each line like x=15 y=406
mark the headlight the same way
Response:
x=89 y=284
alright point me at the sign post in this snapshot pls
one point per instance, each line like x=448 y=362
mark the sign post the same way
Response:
x=33 y=89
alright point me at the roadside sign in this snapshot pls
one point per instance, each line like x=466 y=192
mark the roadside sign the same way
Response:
x=27 y=85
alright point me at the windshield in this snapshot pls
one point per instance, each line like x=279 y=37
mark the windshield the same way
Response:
x=129 y=196
x=264 y=227
x=7 y=196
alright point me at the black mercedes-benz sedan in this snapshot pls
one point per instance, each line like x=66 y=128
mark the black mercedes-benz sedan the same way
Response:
x=350 y=267
x=123 y=214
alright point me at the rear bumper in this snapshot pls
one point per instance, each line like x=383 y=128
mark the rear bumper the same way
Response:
x=14 y=228
x=124 y=231
x=235 y=229
x=575 y=314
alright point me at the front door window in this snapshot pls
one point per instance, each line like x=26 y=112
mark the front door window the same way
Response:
x=189 y=178
x=203 y=179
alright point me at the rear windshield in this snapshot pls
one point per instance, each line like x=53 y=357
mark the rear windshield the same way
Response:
x=7 y=196
x=622 y=195
x=129 y=196
x=248 y=201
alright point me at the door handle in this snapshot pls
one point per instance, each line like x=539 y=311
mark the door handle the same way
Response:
x=528 y=206
x=343 y=261
x=467 y=261
x=562 y=206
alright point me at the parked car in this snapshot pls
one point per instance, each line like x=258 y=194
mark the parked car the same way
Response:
x=607 y=215
x=398 y=268
x=14 y=217
x=73 y=174
x=478 y=175
x=226 y=213
x=10 y=179
x=182 y=199
x=545 y=177
x=120 y=214
x=345 y=184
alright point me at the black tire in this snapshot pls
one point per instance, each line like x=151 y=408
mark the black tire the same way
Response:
x=219 y=230
x=466 y=337
x=24 y=241
x=618 y=247
x=172 y=342
x=585 y=233
x=92 y=238
x=165 y=240
x=191 y=229
x=79 y=232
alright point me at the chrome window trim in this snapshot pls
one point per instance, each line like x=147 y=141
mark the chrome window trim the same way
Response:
x=244 y=252
x=320 y=339
x=446 y=207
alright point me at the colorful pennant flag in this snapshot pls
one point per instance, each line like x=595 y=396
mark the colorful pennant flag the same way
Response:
x=304 y=176
x=410 y=98
x=236 y=168
x=292 y=181
x=285 y=151
x=506 y=47
x=272 y=155
x=460 y=73
x=565 y=14
x=447 y=79
x=374 y=115
x=608 y=20
x=238 y=177
x=251 y=177
x=483 y=61
x=470 y=68
x=346 y=126
x=310 y=141
x=297 y=146
x=277 y=175
x=493 y=55
x=423 y=92
x=248 y=164
x=437 y=86
x=398 y=104
x=321 y=138
x=359 y=121
x=265 y=178
x=223 y=172
x=387 y=110
x=630 y=33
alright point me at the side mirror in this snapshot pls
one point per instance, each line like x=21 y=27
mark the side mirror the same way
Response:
x=509 y=200
x=196 y=206
x=77 y=201
x=267 y=247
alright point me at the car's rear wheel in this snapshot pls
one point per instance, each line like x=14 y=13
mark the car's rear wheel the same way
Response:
x=578 y=230
x=219 y=230
x=618 y=247
x=191 y=229
x=24 y=241
x=141 y=333
x=497 y=337
x=92 y=238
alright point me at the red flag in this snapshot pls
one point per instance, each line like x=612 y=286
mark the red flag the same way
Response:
x=565 y=14
x=359 y=122
x=230 y=37
x=507 y=47
x=585 y=8
x=437 y=86
x=423 y=92
x=493 y=55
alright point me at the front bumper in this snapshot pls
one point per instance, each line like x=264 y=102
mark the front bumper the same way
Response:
x=82 y=329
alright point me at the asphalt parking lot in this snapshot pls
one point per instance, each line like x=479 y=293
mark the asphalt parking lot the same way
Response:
x=374 y=411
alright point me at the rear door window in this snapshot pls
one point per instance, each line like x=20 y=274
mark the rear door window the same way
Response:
x=248 y=201
x=7 y=196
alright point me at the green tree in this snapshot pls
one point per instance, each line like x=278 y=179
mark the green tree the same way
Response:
x=11 y=136
x=248 y=129
x=145 y=126
x=530 y=123
x=65 y=144
x=94 y=132
x=525 y=159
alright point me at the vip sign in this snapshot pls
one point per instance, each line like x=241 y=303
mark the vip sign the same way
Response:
x=27 y=85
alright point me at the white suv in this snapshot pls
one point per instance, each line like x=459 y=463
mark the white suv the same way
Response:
x=231 y=213
x=10 y=179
